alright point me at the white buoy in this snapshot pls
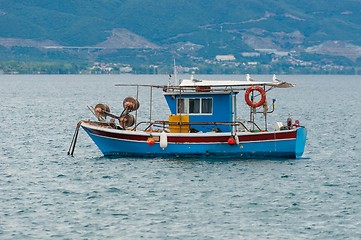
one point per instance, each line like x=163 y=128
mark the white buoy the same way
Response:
x=237 y=139
x=163 y=141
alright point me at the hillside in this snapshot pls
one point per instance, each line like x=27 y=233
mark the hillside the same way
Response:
x=42 y=29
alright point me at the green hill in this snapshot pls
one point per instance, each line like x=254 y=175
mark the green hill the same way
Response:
x=207 y=27
x=80 y=22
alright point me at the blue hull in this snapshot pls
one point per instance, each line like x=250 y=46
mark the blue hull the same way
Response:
x=274 y=148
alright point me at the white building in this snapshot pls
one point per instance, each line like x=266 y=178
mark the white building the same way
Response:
x=229 y=57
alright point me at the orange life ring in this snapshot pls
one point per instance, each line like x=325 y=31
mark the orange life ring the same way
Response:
x=260 y=102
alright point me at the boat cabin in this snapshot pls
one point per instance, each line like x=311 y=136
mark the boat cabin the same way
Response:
x=204 y=109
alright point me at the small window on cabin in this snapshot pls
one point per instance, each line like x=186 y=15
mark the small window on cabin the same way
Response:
x=206 y=105
x=194 y=105
x=181 y=105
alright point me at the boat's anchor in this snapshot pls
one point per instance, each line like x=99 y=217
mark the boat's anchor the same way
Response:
x=75 y=138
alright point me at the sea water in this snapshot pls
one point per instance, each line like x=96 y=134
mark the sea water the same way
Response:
x=47 y=194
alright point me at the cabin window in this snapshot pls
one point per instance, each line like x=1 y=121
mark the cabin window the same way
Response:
x=194 y=106
x=206 y=105
x=181 y=105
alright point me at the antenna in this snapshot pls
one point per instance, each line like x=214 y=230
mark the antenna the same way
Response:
x=175 y=74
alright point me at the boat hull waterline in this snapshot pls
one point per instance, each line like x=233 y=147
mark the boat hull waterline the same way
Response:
x=273 y=144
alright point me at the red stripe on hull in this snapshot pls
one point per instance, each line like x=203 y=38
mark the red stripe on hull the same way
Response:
x=117 y=135
x=245 y=138
x=266 y=136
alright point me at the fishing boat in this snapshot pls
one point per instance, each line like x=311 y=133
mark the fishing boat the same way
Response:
x=203 y=121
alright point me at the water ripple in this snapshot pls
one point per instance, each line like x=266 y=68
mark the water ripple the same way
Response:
x=46 y=194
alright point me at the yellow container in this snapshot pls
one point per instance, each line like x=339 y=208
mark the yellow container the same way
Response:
x=179 y=123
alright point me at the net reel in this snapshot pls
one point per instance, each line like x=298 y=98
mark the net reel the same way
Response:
x=101 y=111
x=130 y=104
x=125 y=119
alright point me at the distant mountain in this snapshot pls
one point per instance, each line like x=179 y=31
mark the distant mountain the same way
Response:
x=198 y=28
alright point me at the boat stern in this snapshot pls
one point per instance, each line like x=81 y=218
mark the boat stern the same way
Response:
x=300 y=141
